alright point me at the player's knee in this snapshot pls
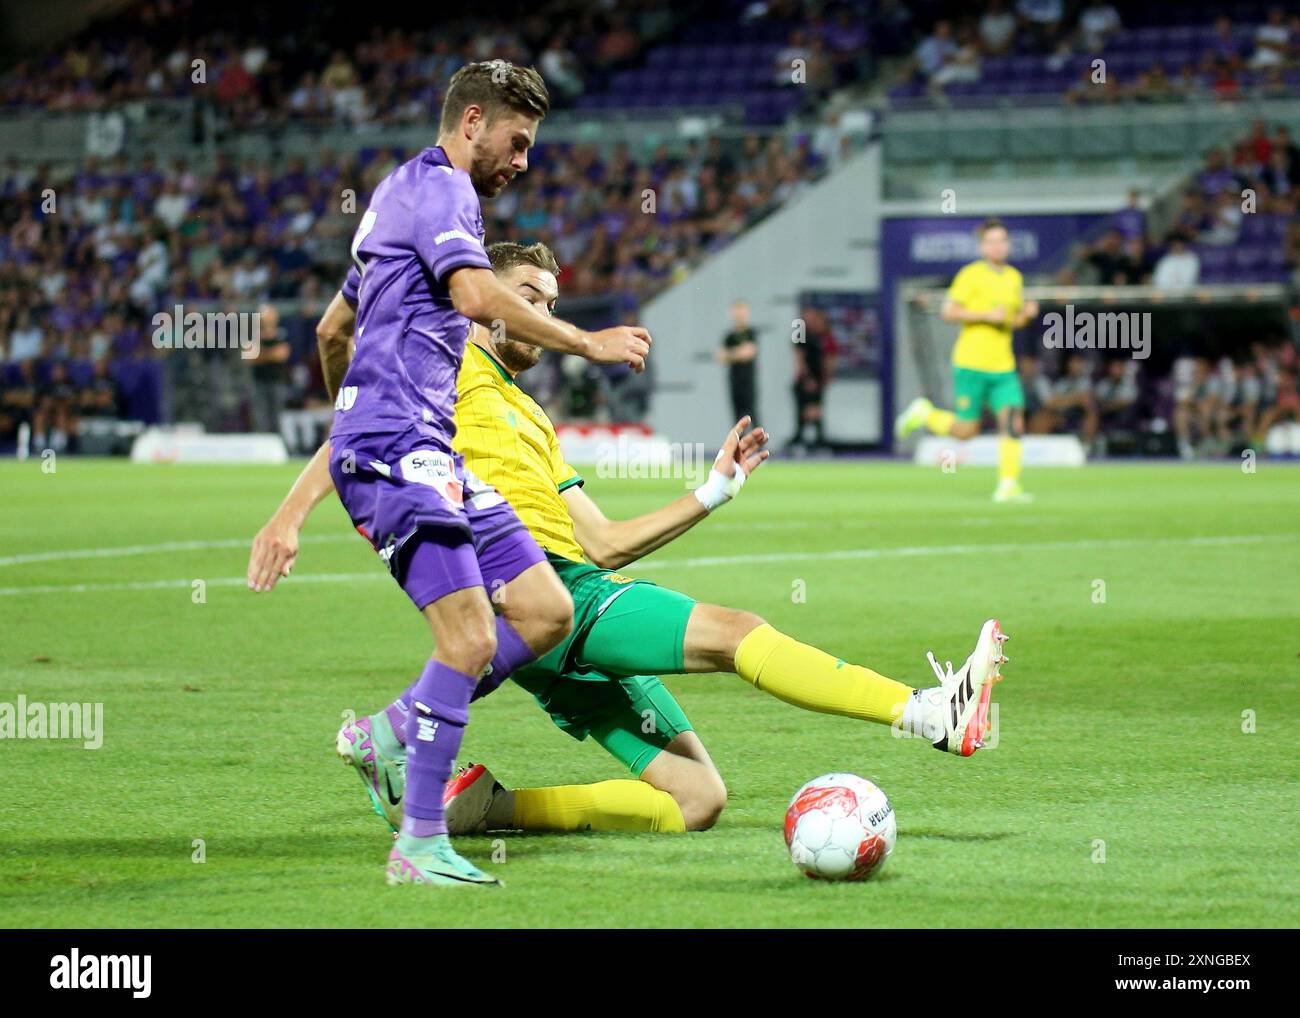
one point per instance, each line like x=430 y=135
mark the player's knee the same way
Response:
x=739 y=624
x=555 y=621
x=472 y=648
x=703 y=803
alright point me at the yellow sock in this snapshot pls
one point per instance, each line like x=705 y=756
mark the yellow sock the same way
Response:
x=940 y=422
x=812 y=679
x=1009 y=459
x=623 y=805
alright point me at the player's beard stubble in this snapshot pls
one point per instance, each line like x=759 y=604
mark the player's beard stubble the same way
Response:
x=517 y=356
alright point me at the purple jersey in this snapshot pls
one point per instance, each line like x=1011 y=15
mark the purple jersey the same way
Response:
x=424 y=221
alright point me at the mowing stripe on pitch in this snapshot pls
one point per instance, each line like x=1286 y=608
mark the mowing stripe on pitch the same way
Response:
x=1006 y=548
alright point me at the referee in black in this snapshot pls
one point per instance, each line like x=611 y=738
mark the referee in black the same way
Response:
x=739 y=351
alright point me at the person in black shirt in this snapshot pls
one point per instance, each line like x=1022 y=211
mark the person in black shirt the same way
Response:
x=813 y=366
x=270 y=372
x=99 y=396
x=739 y=351
x=54 y=418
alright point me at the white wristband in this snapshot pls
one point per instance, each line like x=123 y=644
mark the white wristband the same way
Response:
x=719 y=488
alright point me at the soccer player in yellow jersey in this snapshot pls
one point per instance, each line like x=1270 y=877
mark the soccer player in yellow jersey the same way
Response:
x=987 y=298
x=602 y=681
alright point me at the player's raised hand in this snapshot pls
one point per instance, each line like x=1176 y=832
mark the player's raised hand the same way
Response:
x=741 y=451
x=275 y=549
x=750 y=450
x=623 y=344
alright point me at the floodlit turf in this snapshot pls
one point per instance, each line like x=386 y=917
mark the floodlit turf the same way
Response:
x=1120 y=725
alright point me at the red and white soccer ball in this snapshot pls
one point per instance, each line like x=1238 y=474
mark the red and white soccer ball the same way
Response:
x=840 y=827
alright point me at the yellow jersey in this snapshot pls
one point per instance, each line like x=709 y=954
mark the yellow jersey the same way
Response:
x=509 y=442
x=981 y=287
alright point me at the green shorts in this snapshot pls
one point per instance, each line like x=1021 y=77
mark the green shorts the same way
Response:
x=601 y=681
x=973 y=390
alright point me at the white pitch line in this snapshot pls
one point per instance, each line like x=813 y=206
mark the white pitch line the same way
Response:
x=379 y=573
x=122 y=551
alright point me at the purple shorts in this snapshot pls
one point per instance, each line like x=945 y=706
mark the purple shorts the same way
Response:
x=396 y=487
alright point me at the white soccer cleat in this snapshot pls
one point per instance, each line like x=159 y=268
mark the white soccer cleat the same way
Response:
x=913 y=417
x=468 y=798
x=1011 y=491
x=954 y=715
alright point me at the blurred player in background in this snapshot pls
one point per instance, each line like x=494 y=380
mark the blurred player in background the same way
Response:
x=987 y=299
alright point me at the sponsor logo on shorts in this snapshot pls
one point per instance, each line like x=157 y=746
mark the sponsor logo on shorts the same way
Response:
x=438 y=471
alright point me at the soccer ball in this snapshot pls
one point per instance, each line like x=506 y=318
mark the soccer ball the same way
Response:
x=840 y=827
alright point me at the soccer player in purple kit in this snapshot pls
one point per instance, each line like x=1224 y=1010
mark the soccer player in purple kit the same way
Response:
x=421 y=275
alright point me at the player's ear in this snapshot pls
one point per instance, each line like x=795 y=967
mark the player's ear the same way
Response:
x=472 y=121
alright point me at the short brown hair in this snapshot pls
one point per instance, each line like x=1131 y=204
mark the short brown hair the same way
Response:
x=992 y=223
x=494 y=85
x=506 y=254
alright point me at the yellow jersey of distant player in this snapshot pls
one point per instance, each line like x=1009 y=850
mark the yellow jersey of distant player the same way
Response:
x=509 y=442
x=980 y=286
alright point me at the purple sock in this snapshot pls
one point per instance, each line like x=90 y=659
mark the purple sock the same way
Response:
x=437 y=719
x=512 y=652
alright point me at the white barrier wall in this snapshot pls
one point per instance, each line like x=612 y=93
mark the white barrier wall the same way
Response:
x=825 y=239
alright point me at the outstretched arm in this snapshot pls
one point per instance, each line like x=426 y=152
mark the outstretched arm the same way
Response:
x=334 y=339
x=614 y=543
x=276 y=545
x=481 y=297
x=275 y=548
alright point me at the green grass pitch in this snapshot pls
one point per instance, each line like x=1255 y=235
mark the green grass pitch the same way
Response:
x=1122 y=725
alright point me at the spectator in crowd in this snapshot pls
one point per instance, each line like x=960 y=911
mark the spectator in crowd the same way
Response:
x=1272 y=41
x=1098 y=21
x=1224 y=44
x=1225 y=220
x=1071 y=405
x=1137 y=263
x=26 y=339
x=1197 y=393
x=1108 y=258
x=739 y=351
x=1042 y=20
x=1217 y=176
x=1038 y=390
x=791 y=64
x=1285 y=407
x=1282 y=143
x=54 y=418
x=1192 y=216
x=1179 y=268
x=997 y=28
x=1131 y=221
x=935 y=50
x=962 y=63
x=560 y=68
x=1237 y=414
x=18 y=398
x=99 y=397
x=1116 y=398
